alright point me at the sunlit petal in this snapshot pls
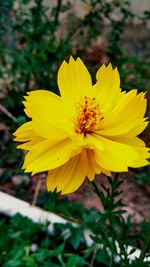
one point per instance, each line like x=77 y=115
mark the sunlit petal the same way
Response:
x=87 y=130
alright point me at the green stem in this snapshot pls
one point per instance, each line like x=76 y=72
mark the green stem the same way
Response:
x=102 y=199
x=98 y=192
x=111 y=261
x=59 y=3
x=142 y=255
x=96 y=188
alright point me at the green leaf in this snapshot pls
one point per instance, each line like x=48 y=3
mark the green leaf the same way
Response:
x=76 y=237
x=75 y=261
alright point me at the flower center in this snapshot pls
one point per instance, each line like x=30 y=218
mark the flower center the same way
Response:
x=89 y=116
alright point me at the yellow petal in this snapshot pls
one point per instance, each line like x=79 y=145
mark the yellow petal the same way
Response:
x=70 y=176
x=138 y=145
x=45 y=93
x=37 y=93
x=48 y=115
x=74 y=82
x=88 y=142
x=125 y=115
x=108 y=84
x=92 y=142
x=116 y=157
x=29 y=145
x=128 y=140
x=48 y=130
x=93 y=167
x=24 y=132
x=106 y=172
x=72 y=139
x=48 y=155
x=143 y=156
x=139 y=128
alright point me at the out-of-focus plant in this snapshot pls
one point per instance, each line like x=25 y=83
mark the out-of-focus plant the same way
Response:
x=29 y=48
x=24 y=243
x=30 y=51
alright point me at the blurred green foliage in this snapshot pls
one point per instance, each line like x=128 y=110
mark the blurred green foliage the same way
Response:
x=25 y=244
x=33 y=43
x=35 y=39
x=31 y=49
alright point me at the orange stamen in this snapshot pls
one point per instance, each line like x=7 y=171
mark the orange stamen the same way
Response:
x=89 y=116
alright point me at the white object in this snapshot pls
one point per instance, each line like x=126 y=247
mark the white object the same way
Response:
x=10 y=206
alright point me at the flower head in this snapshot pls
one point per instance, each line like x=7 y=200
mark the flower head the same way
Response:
x=89 y=129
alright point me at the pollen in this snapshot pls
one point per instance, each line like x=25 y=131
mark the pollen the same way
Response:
x=88 y=116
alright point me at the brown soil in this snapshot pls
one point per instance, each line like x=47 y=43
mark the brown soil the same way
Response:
x=135 y=197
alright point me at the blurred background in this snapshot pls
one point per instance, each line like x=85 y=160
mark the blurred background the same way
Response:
x=35 y=37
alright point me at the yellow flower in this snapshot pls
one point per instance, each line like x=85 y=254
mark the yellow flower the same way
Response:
x=90 y=129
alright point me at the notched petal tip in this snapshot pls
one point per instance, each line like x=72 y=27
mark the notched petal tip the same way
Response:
x=19 y=147
x=71 y=59
x=62 y=67
x=108 y=72
x=79 y=60
x=14 y=135
x=109 y=66
x=24 y=102
x=26 y=97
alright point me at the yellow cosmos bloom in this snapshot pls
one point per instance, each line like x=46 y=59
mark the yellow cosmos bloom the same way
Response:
x=89 y=129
